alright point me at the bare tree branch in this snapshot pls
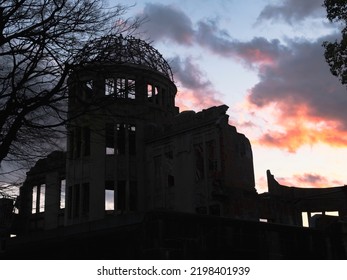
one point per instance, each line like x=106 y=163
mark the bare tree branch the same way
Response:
x=39 y=40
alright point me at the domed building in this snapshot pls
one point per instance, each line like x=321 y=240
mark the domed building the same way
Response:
x=132 y=156
x=121 y=92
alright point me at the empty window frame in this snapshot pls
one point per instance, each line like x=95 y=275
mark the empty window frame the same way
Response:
x=124 y=133
x=332 y=213
x=152 y=91
x=121 y=88
x=109 y=196
x=42 y=198
x=121 y=138
x=306 y=216
x=34 y=200
x=62 y=193
x=38 y=198
x=109 y=86
x=109 y=138
x=132 y=139
x=170 y=181
x=125 y=88
x=130 y=89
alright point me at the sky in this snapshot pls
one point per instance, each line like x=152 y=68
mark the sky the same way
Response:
x=265 y=60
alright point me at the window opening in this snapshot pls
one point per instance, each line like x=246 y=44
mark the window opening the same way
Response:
x=131 y=89
x=42 y=198
x=132 y=139
x=332 y=213
x=38 y=199
x=62 y=193
x=120 y=139
x=150 y=92
x=121 y=90
x=304 y=216
x=109 y=86
x=170 y=181
x=109 y=195
x=34 y=200
x=109 y=135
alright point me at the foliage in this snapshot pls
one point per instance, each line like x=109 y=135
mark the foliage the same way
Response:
x=336 y=52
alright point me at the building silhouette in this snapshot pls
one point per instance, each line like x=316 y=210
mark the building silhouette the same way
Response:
x=141 y=180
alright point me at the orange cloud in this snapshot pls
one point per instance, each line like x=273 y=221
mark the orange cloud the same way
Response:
x=297 y=126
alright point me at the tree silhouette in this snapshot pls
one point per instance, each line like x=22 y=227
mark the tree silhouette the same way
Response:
x=336 y=52
x=38 y=42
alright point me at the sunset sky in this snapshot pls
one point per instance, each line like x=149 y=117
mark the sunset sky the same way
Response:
x=264 y=59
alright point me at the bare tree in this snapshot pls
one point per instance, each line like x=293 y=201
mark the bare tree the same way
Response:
x=38 y=42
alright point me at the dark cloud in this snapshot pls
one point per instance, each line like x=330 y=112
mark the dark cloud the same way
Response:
x=309 y=103
x=167 y=22
x=309 y=180
x=301 y=76
x=294 y=79
x=292 y=10
x=197 y=91
x=259 y=50
x=188 y=73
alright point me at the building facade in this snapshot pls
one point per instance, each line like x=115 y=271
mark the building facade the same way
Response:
x=142 y=180
x=129 y=150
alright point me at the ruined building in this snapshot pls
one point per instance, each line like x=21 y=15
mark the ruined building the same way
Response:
x=139 y=179
x=130 y=151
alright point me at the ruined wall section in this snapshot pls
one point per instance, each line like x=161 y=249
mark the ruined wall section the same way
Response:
x=199 y=164
x=40 y=205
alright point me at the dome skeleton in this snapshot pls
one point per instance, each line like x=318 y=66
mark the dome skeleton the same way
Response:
x=119 y=49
